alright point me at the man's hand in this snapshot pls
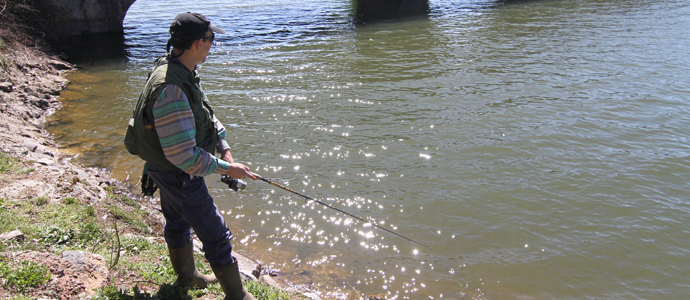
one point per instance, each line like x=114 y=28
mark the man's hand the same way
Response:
x=236 y=170
x=239 y=171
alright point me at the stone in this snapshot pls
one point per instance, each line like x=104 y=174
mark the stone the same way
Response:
x=312 y=296
x=31 y=145
x=77 y=258
x=41 y=158
x=40 y=103
x=15 y=235
x=60 y=65
x=6 y=87
x=247 y=267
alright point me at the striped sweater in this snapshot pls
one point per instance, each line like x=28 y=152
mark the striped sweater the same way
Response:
x=176 y=130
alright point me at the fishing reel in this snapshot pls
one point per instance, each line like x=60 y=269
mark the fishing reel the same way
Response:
x=234 y=184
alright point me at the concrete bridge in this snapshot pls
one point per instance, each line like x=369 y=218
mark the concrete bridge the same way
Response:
x=70 y=18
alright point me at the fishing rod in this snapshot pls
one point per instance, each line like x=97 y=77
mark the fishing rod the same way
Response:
x=236 y=185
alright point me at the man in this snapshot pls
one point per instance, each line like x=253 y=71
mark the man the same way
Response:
x=175 y=132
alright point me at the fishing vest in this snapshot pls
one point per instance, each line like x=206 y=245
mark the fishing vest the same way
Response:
x=142 y=139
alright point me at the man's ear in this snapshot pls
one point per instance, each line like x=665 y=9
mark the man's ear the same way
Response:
x=197 y=44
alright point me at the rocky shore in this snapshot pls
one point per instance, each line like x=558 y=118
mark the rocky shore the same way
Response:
x=30 y=85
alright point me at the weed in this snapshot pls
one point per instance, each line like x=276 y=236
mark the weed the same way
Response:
x=132 y=218
x=126 y=199
x=159 y=273
x=55 y=235
x=166 y=291
x=5 y=63
x=90 y=211
x=267 y=292
x=85 y=235
x=4 y=268
x=113 y=293
x=6 y=161
x=39 y=201
x=69 y=201
x=89 y=233
x=9 y=218
x=29 y=275
x=135 y=245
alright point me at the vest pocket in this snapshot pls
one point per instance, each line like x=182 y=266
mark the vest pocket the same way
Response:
x=131 y=138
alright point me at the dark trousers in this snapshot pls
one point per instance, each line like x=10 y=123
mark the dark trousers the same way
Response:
x=186 y=205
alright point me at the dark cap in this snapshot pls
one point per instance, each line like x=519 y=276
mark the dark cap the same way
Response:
x=191 y=26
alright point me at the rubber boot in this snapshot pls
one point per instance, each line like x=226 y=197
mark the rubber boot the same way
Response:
x=231 y=283
x=183 y=263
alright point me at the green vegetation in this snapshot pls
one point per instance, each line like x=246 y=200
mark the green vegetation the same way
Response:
x=69 y=201
x=264 y=291
x=166 y=291
x=39 y=201
x=129 y=217
x=6 y=162
x=27 y=275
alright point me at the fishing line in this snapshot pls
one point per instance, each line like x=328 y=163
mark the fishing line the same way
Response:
x=329 y=206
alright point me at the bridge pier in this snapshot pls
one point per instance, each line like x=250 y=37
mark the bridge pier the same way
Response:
x=65 y=18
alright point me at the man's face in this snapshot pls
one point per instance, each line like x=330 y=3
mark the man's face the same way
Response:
x=207 y=42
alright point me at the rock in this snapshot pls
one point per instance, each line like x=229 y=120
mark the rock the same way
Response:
x=31 y=92
x=246 y=266
x=41 y=158
x=31 y=145
x=15 y=235
x=6 y=87
x=60 y=65
x=33 y=115
x=312 y=296
x=81 y=174
x=79 y=259
x=40 y=103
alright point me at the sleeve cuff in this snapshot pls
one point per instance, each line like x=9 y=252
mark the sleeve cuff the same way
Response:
x=223 y=167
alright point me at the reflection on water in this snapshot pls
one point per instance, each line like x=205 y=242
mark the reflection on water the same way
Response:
x=381 y=10
x=538 y=147
x=97 y=47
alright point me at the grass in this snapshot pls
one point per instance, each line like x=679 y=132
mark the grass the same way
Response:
x=24 y=275
x=264 y=291
x=133 y=218
x=6 y=162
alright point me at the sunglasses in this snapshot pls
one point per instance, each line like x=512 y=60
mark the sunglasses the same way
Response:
x=210 y=39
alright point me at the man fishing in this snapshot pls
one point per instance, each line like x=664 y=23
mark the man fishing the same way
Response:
x=175 y=131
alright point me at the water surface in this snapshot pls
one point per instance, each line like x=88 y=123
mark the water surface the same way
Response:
x=539 y=148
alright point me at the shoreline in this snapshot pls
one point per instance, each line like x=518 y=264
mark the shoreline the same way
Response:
x=29 y=92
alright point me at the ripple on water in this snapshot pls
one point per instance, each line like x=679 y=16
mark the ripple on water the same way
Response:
x=538 y=148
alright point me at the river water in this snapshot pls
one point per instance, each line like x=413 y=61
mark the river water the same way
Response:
x=539 y=148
